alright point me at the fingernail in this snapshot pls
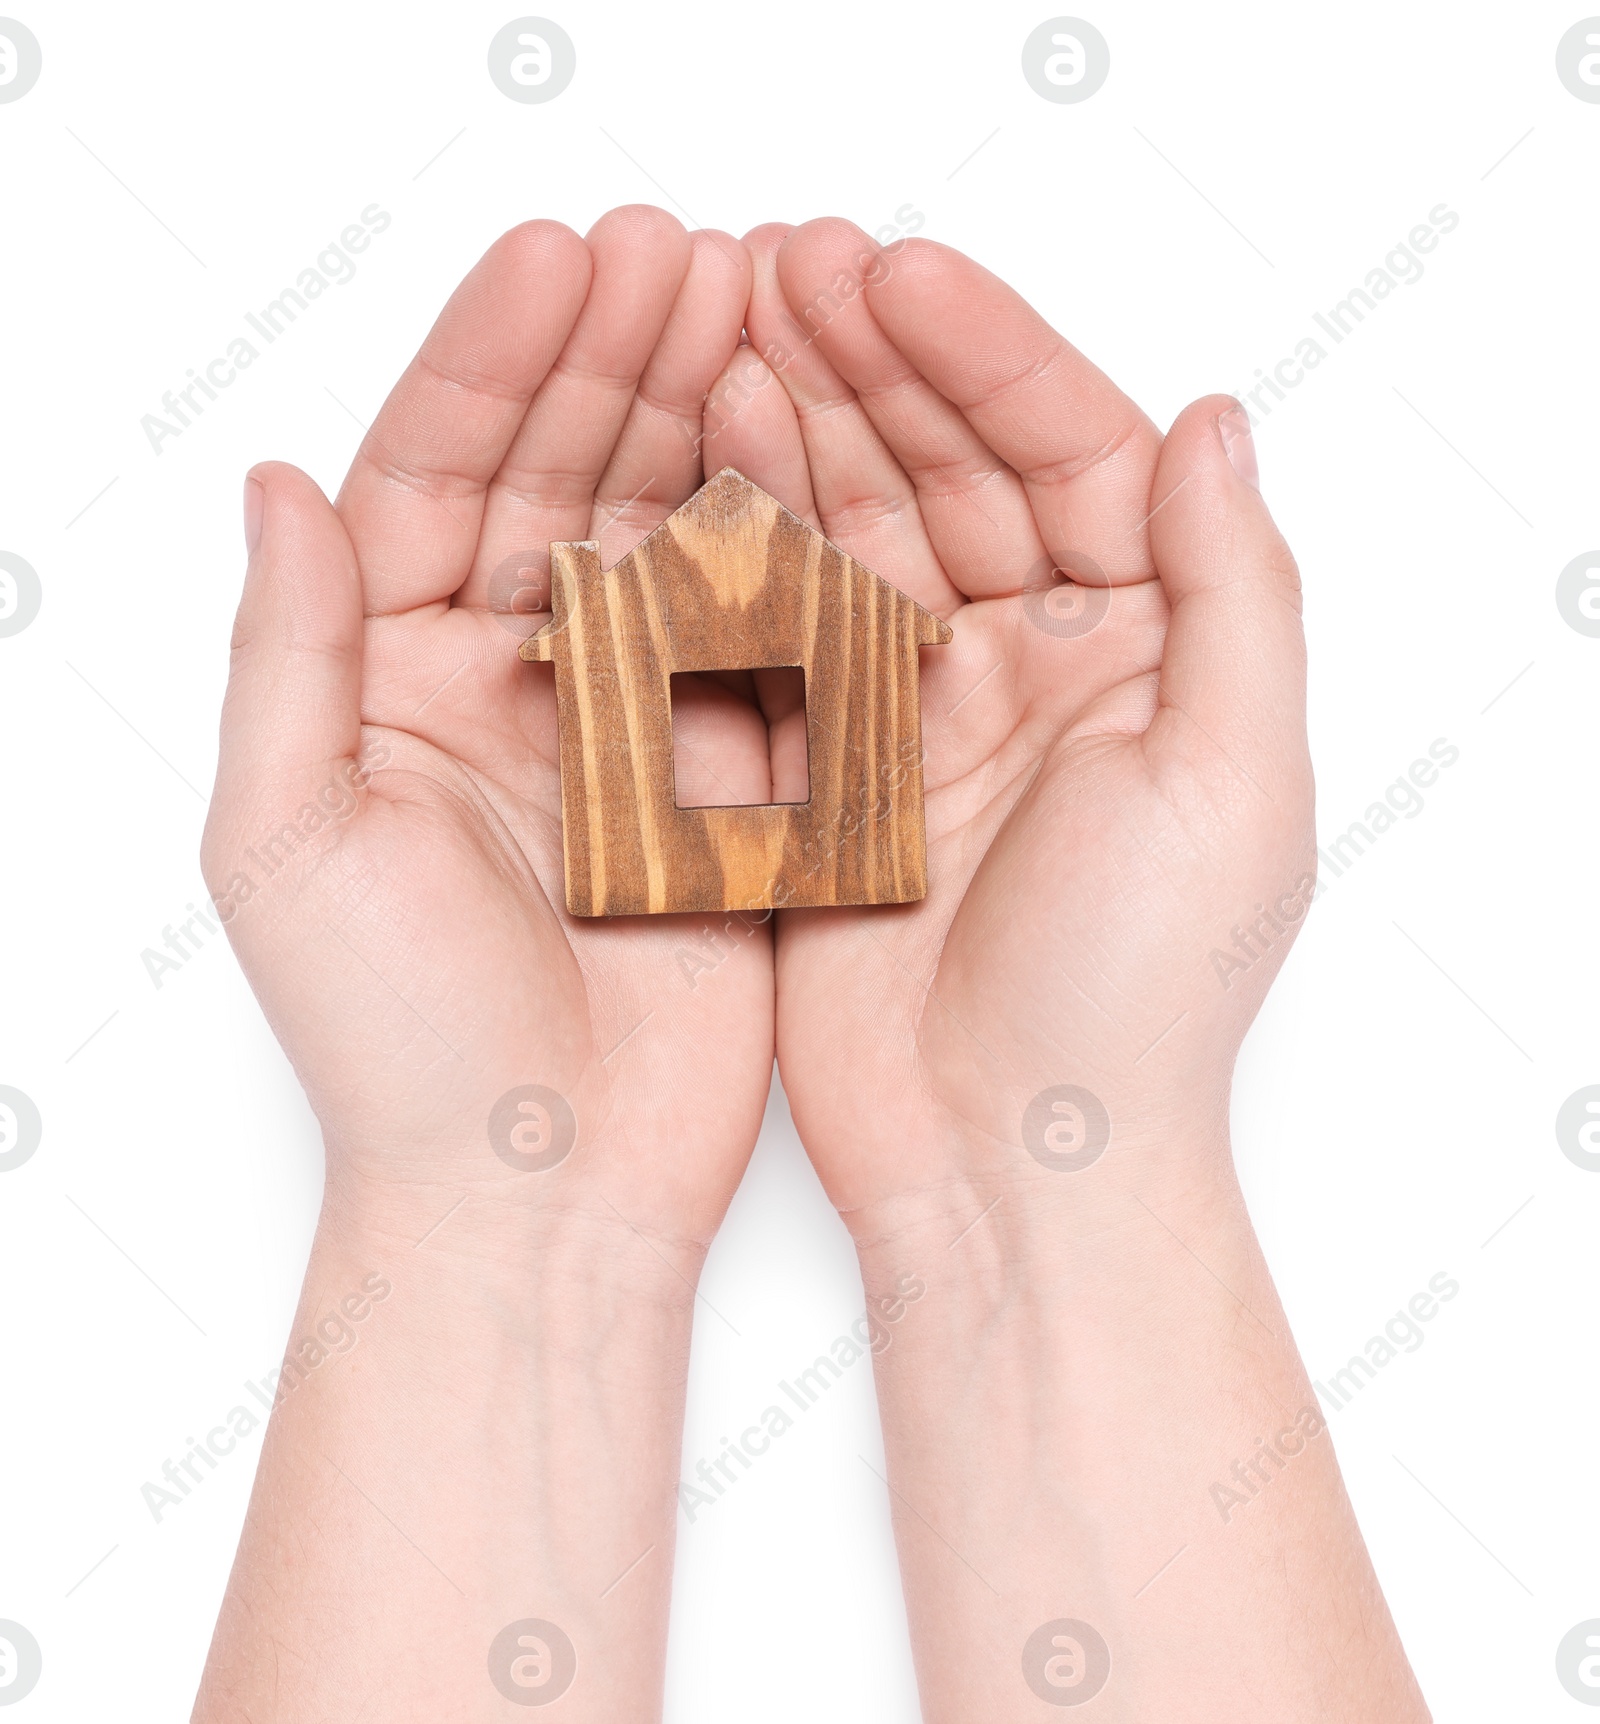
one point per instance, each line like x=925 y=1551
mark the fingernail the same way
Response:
x=255 y=502
x=1239 y=446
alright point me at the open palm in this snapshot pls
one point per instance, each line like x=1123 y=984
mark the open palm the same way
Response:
x=1113 y=761
x=411 y=945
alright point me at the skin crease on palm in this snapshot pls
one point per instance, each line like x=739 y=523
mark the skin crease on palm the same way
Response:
x=1104 y=807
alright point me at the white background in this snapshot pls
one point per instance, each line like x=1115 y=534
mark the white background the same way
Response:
x=1243 y=167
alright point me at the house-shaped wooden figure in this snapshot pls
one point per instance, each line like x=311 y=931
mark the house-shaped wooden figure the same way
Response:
x=734 y=581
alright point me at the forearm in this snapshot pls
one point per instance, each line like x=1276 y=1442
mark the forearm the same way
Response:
x=499 y=1443
x=1097 y=1415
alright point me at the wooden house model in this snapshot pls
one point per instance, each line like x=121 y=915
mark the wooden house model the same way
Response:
x=734 y=581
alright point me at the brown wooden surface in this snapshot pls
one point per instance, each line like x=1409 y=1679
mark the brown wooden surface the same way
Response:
x=733 y=581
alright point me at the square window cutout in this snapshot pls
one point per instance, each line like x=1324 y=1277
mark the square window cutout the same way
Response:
x=739 y=738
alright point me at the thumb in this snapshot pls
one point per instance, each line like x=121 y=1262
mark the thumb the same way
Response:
x=292 y=715
x=1233 y=674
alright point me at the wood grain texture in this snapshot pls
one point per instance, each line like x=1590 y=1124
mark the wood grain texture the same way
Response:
x=733 y=581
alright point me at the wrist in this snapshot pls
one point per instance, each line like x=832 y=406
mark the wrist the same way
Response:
x=474 y=1263
x=480 y=1404
x=1066 y=1189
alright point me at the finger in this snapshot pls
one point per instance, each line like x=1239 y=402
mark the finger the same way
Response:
x=545 y=488
x=292 y=715
x=1233 y=680
x=1084 y=451
x=414 y=497
x=750 y=424
x=781 y=694
x=656 y=463
x=976 y=510
x=866 y=503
